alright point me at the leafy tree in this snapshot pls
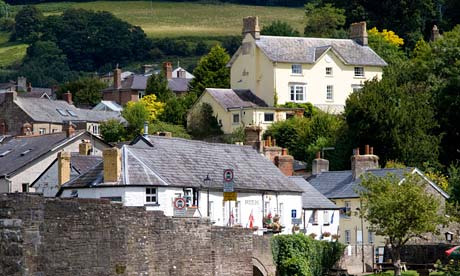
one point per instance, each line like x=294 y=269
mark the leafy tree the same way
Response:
x=157 y=84
x=153 y=107
x=136 y=114
x=211 y=71
x=28 y=24
x=279 y=28
x=176 y=130
x=45 y=64
x=176 y=108
x=86 y=91
x=202 y=123
x=112 y=131
x=4 y=9
x=399 y=210
x=387 y=45
x=324 y=21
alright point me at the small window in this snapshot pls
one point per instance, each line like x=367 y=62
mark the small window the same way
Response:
x=315 y=217
x=95 y=129
x=62 y=112
x=325 y=217
x=269 y=117
x=370 y=237
x=236 y=118
x=151 y=195
x=296 y=69
x=188 y=195
x=73 y=114
x=328 y=71
x=297 y=92
x=141 y=94
x=329 y=92
x=25 y=187
x=359 y=71
x=42 y=131
x=347 y=236
x=356 y=87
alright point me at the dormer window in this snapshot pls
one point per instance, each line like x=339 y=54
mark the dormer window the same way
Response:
x=296 y=69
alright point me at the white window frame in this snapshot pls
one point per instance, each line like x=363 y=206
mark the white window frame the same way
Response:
x=359 y=71
x=296 y=69
x=296 y=90
x=42 y=131
x=329 y=71
x=356 y=87
x=269 y=113
x=329 y=93
x=234 y=116
x=140 y=94
x=151 y=195
x=95 y=129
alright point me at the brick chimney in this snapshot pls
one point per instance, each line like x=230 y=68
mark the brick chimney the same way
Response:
x=167 y=68
x=285 y=163
x=358 y=33
x=319 y=165
x=29 y=87
x=3 y=127
x=270 y=150
x=69 y=129
x=361 y=163
x=63 y=158
x=67 y=97
x=117 y=78
x=11 y=96
x=84 y=148
x=112 y=164
x=435 y=35
x=251 y=26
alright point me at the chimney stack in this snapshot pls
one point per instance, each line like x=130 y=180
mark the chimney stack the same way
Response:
x=251 y=26
x=11 y=96
x=146 y=129
x=67 y=97
x=63 y=167
x=29 y=87
x=84 y=148
x=112 y=164
x=435 y=35
x=26 y=129
x=361 y=163
x=21 y=84
x=319 y=165
x=167 y=67
x=358 y=33
x=69 y=128
x=285 y=163
x=117 y=78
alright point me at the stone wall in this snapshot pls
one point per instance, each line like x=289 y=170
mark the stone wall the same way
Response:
x=40 y=236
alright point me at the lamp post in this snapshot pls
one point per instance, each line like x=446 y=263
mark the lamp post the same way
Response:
x=206 y=182
x=362 y=237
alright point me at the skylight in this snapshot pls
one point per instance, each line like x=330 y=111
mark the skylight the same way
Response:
x=5 y=153
x=73 y=114
x=26 y=152
x=62 y=112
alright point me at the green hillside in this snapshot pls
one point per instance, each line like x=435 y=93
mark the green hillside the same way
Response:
x=169 y=19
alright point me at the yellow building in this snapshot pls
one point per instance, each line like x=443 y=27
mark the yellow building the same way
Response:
x=321 y=71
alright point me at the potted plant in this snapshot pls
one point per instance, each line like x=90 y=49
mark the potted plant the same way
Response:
x=335 y=237
x=326 y=234
x=313 y=235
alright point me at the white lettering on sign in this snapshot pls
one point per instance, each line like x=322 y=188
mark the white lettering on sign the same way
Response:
x=251 y=202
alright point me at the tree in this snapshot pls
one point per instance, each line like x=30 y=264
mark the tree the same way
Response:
x=157 y=84
x=211 y=71
x=112 y=131
x=202 y=122
x=45 y=65
x=86 y=91
x=399 y=210
x=176 y=130
x=136 y=114
x=279 y=28
x=387 y=45
x=28 y=24
x=153 y=107
x=324 y=21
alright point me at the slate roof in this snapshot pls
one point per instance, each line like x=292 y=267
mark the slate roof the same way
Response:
x=185 y=163
x=45 y=110
x=340 y=184
x=83 y=163
x=308 y=50
x=232 y=98
x=312 y=199
x=22 y=150
x=139 y=82
x=178 y=84
x=37 y=92
x=108 y=106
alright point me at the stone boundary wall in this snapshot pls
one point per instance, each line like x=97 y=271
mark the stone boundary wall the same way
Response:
x=40 y=236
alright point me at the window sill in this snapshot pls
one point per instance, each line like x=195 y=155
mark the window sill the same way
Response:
x=151 y=204
x=359 y=77
x=296 y=75
x=235 y=124
x=329 y=76
x=330 y=101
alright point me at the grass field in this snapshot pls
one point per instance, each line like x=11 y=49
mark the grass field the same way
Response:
x=10 y=52
x=170 y=19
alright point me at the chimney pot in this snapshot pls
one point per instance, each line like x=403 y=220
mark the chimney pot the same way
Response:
x=366 y=149
x=284 y=151
x=358 y=33
x=371 y=150
x=251 y=26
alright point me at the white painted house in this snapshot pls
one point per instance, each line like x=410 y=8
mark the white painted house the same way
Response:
x=154 y=171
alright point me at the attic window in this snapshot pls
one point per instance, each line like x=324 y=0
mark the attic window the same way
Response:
x=62 y=112
x=73 y=114
x=5 y=153
x=26 y=152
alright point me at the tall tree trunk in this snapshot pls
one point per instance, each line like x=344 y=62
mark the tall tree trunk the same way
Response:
x=396 y=255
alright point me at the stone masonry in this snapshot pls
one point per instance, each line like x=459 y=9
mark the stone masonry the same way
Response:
x=43 y=236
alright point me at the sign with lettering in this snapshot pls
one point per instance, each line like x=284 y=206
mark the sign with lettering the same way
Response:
x=179 y=206
x=293 y=213
x=297 y=221
x=229 y=196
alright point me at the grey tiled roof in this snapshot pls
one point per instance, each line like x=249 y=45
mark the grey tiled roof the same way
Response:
x=231 y=98
x=178 y=84
x=83 y=163
x=185 y=163
x=312 y=199
x=45 y=110
x=340 y=184
x=37 y=92
x=139 y=82
x=308 y=50
x=26 y=149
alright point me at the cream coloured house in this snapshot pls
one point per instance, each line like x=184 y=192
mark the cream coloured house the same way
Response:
x=321 y=71
x=241 y=108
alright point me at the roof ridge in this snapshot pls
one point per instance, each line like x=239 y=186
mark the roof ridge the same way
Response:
x=304 y=38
